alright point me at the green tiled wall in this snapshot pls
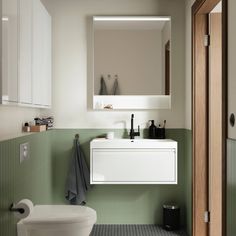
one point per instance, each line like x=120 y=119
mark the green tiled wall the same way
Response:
x=42 y=179
x=188 y=168
x=32 y=179
x=231 y=187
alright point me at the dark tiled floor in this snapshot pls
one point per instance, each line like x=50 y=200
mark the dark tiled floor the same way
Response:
x=133 y=230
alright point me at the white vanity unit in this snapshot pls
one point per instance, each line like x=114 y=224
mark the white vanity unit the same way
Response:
x=138 y=161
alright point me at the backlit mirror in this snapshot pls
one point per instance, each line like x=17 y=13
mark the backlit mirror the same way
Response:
x=132 y=61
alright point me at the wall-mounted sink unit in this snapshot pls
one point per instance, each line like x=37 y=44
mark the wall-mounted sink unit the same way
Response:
x=138 y=161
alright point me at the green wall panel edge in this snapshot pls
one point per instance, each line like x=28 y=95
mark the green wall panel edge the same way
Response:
x=231 y=187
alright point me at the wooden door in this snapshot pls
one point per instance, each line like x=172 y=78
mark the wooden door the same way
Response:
x=209 y=73
x=215 y=124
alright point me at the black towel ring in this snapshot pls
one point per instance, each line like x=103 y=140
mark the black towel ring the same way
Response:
x=77 y=136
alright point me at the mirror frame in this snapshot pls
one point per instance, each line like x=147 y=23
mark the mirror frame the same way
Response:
x=125 y=102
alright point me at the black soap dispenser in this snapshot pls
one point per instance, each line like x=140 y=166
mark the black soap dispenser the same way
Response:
x=152 y=130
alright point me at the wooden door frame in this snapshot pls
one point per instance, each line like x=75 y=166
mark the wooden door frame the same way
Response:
x=200 y=10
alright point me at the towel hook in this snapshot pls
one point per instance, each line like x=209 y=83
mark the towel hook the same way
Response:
x=77 y=136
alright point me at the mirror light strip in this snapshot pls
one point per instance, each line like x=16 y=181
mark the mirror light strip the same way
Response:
x=5 y=19
x=131 y=18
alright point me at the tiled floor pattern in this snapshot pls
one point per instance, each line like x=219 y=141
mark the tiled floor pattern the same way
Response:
x=133 y=230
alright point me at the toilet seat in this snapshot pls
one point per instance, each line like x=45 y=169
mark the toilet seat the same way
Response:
x=58 y=220
x=61 y=214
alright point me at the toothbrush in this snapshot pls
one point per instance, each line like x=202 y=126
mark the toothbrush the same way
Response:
x=164 y=124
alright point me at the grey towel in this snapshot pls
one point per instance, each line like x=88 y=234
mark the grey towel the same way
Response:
x=78 y=179
x=115 y=89
x=103 y=87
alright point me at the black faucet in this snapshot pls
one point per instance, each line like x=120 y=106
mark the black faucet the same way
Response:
x=132 y=133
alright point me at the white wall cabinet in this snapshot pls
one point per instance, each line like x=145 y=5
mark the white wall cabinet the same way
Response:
x=26 y=53
x=133 y=162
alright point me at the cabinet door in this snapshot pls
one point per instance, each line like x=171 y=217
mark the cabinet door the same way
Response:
x=140 y=166
x=41 y=55
x=9 y=51
x=47 y=58
x=25 y=51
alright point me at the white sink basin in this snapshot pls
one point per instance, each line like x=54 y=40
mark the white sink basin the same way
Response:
x=133 y=143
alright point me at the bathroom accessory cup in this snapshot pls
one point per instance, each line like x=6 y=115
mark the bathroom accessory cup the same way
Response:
x=160 y=133
x=110 y=135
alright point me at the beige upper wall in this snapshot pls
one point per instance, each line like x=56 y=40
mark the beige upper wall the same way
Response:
x=12 y=118
x=70 y=93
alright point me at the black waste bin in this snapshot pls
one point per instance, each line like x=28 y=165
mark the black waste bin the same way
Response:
x=171 y=217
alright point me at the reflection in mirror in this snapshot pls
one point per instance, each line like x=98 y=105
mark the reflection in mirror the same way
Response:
x=132 y=55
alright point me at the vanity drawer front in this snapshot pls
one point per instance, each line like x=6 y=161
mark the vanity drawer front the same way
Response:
x=136 y=166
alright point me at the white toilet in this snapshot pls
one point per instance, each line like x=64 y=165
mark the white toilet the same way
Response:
x=58 y=220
